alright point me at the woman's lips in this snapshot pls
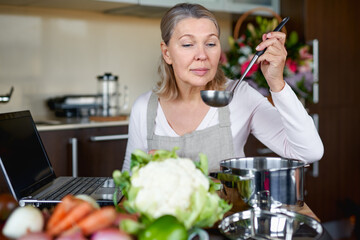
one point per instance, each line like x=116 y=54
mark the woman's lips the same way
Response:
x=200 y=71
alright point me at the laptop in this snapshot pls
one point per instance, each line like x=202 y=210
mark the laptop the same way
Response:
x=29 y=173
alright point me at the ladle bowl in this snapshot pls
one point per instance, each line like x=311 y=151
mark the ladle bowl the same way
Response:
x=216 y=98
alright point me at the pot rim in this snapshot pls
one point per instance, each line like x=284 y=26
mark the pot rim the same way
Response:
x=300 y=163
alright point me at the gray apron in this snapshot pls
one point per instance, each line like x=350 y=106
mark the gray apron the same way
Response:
x=216 y=141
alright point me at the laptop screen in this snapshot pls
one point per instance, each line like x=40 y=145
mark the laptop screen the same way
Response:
x=23 y=158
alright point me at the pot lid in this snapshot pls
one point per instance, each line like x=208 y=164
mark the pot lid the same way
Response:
x=277 y=224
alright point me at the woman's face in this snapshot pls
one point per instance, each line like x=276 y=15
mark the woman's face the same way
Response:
x=193 y=51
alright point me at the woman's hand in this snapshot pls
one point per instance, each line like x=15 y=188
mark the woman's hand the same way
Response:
x=273 y=60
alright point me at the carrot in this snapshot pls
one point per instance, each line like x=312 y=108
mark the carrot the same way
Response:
x=71 y=218
x=61 y=209
x=99 y=219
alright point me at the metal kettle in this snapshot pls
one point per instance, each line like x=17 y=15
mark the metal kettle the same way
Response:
x=108 y=95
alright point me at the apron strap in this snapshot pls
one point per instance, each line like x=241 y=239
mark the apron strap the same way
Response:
x=151 y=115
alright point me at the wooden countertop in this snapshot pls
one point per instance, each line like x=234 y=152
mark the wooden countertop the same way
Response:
x=307 y=211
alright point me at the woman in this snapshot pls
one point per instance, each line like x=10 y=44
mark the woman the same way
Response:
x=175 y=115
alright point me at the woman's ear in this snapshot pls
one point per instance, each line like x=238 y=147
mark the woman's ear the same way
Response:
x=165 y=53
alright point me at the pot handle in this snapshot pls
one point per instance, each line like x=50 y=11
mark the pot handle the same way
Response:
x=264 y=200
x=198 y=233
x=289 y=224
x=216 y=174
x=230 y=177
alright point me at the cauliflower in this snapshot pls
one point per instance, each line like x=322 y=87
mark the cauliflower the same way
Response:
x=164 y=184
x=165 y=187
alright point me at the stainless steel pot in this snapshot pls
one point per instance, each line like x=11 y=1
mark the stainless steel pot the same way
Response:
x=262 y=182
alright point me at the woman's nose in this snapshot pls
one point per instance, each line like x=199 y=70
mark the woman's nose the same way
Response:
x=200 y=53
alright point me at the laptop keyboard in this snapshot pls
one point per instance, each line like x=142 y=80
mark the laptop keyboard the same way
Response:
x=79 y=185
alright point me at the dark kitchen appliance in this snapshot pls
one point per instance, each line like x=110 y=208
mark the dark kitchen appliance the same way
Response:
x=72 y=106
x=6 y=98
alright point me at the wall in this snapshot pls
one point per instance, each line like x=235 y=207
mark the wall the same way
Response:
x=51 y=52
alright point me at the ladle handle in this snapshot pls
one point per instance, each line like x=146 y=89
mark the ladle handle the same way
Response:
x=277 y=29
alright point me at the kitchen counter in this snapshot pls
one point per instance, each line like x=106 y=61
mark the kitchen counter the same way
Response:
x=76 y=123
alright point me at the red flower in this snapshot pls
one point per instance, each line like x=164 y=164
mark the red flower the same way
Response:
x=241 y=41
x=291 y=64
x=253 y=69
x=304 y=53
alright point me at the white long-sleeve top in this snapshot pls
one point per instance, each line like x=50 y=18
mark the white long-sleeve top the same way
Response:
x=286 y=129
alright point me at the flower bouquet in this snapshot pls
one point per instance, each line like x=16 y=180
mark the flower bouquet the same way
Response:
x=298 y=71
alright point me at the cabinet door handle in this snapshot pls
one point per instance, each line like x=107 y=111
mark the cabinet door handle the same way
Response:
x=109 y=137
x=315 y=168
x=315 y=44
x=74 y=154
x=315 y=171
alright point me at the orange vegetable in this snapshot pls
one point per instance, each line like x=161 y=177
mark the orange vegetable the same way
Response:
x=71 y=218
x=61 y=209
x=99 y=219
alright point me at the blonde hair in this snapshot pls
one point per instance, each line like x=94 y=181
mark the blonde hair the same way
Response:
x=166 y=87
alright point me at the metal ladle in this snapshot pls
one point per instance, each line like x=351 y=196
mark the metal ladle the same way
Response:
x=216 y=98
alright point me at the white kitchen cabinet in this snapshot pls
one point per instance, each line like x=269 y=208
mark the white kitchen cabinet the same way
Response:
x=230 y=6
x=213 y=5
x=241 y=6
x=226 y=6
x=146 y=8
x=120 y=1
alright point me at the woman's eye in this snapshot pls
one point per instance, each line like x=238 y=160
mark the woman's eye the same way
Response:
x=187 y=45
x=211 y=44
